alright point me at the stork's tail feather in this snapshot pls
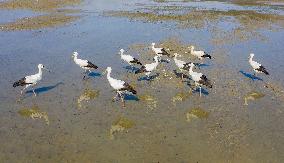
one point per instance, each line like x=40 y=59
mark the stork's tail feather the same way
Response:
x=17 y=83
x=129 y=88
x=91 y=65
x=164 y=52
x=205 y=81
x=142 y=69
x=21 y=82
x=207 y=56
x=136 y=61
x=266 y=73
x=262 y=69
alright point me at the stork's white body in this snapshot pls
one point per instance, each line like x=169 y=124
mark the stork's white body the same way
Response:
x=126 y=58
x=180 y=64
x=152 y=66
x=31 y=80
x=254 y=64
x=196 y=77
x=82 y=63
x=196 y=53
x=114 y=83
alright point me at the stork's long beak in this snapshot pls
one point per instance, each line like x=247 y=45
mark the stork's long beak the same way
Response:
x=47 y=69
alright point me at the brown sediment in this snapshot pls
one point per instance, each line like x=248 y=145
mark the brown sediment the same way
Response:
x=38 y=22
x=56 y=14
x=38 y=5
x=247 y=22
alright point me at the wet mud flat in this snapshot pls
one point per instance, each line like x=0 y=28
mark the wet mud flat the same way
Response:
x=238 y=120
x=50 y=14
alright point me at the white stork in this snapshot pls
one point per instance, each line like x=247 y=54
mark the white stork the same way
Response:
x=119 y=86
x=181 y=64
x=257 y=67
x=199 y=54
x=84 y=64
x=148 y=68
x=199 y=79
x=159 y=51
x=128 y=58
x=31 y=80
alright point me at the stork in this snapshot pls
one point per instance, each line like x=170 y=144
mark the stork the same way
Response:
x=31 y=80
x=257 y=67
x=148 y=68
x=181 y=64
x=84 y=64
x=199 y=79
x=119 y=86
x=199 y=54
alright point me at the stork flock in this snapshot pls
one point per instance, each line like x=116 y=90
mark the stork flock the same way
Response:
x=122 y=88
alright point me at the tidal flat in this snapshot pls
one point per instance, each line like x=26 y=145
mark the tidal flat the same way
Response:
x=239 y=119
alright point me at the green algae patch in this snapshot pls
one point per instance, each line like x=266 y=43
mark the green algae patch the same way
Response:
x=38 y=22
x=37 y=5
x=34 y=113
x=253 y=96
x=151 y=101
x=120 y=125
x=196 y=113
x=181 y=96
x=87 y=95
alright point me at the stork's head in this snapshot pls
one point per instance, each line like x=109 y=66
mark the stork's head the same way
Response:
x=251 y=55
x=156 y=58
x=75 y=54
x=153 y=44
x=191 y=47
x=108 y=69
x=40 y=66
x=121 y=50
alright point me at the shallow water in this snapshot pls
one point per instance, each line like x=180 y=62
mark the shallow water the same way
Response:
x=231 y=132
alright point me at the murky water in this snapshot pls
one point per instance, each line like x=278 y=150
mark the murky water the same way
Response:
x=73 y=120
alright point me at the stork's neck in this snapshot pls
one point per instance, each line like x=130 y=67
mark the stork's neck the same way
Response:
x=250 y=59
x=156 y=61
x=108 y=74
x=75 y=58
x=121 y=54
x=191 y=50
x=190 y=69
x=153 y=46
x=39 y=72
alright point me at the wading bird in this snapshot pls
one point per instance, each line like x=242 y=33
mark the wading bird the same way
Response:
x=199 y=54
x=181 y=64
x=128 y=58
x=84 y=64
x=257 y=67
x=31 y=80
x=199 y=79
x=121 y=87
x=148 y=68
x=159 y=51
